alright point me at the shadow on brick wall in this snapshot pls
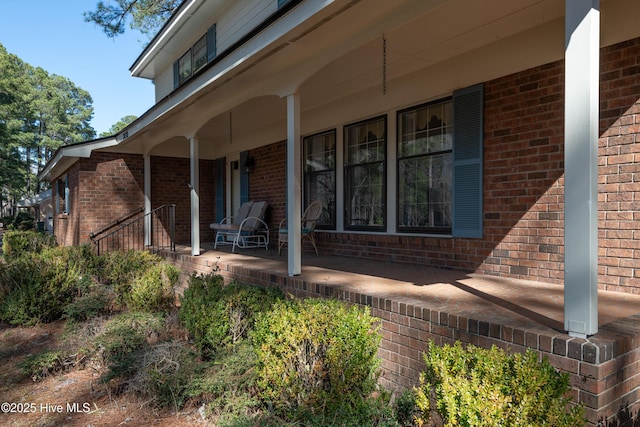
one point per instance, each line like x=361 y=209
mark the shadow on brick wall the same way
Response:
x=623 y=418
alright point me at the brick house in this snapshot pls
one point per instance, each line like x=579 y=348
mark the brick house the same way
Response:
x=497 y=137
x=41 y=207
x=355 y=103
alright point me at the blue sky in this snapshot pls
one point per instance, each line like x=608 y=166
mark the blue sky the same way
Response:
x=52 y=34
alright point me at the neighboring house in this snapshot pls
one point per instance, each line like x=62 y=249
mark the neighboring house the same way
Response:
x=41 y=208
x=438 y=132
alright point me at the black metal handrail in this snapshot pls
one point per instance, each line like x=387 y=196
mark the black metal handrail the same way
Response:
x=115 y=223
x=130 y=235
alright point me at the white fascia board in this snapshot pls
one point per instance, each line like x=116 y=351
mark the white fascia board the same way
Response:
x=67 y=155
x=167 y=33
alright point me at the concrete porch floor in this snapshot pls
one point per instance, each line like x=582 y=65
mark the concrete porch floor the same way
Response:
x=521 y=304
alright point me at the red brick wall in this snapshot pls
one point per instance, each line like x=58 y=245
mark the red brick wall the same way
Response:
x=108 y=186
x=619 y=168
x=523 y=195
x=66 y=224
x=102 y=188
x=268 y=181
x=524 y=164
x=523 y=183
x=170 y=178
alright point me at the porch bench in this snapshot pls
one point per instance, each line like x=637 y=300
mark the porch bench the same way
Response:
x=246 y=229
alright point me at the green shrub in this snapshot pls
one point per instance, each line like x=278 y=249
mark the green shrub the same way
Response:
x=405 y=408
x=317 y=356
x=18 y=243
x=123 y=341
x=38 y=287
x=77 y=258
x=120 y=269
x=154 y=290
x=217 y=315
x=41 y=365
x=96 y=301
x=476 y=387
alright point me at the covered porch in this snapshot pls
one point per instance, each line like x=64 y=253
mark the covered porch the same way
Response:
x=417 y=304
x=265 y=109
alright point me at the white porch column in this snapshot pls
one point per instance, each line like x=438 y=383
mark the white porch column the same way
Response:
x=194 y=157
x=147 y=200
x=294 y=204
x=582 y=60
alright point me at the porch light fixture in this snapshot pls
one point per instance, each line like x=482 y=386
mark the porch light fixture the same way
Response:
x=249 y=165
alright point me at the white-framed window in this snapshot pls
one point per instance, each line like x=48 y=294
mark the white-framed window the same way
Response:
x=194 y=59
x=365 y=155
x=434 y=167
x=320 y=175
x=425 y=169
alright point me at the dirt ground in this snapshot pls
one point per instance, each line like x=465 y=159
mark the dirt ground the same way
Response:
x=74 y=399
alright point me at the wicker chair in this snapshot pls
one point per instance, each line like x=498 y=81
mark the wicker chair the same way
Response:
x=308 y=223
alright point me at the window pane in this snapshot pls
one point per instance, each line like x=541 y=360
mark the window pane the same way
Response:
x=199 y=54
x=322 y=186
x=365 y=156
x=424 y=192
x=425 y=168
x=184 y=66
x=365 y=195
x=320 y=181
x=366 y=142
x=320 y=151
x=426 y=129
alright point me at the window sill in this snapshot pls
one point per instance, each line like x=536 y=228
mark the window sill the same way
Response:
x=382 y=233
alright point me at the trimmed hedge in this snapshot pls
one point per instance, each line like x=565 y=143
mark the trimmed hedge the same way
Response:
x=475 y=387
x=316 y=355
x=218 y=315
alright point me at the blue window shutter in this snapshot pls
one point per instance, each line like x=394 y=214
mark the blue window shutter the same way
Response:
x=220 y=163
x=176 y=77
x=467 y=161
x=244 y=178
x=211 y=43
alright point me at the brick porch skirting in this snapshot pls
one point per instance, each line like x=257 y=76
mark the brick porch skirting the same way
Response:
x=604 y=369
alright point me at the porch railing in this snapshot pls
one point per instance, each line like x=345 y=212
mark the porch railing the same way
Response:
x=130 y=235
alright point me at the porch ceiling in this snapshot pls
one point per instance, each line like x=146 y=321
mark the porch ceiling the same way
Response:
x=339 y=54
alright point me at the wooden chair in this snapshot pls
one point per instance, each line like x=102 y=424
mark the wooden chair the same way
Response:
x=308 y=225
x=245 y=230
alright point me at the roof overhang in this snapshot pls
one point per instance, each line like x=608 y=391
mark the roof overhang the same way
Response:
x=332 y=50
x=35 y=200
x=282 y=29
x=190 y=17
x=67 y=155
